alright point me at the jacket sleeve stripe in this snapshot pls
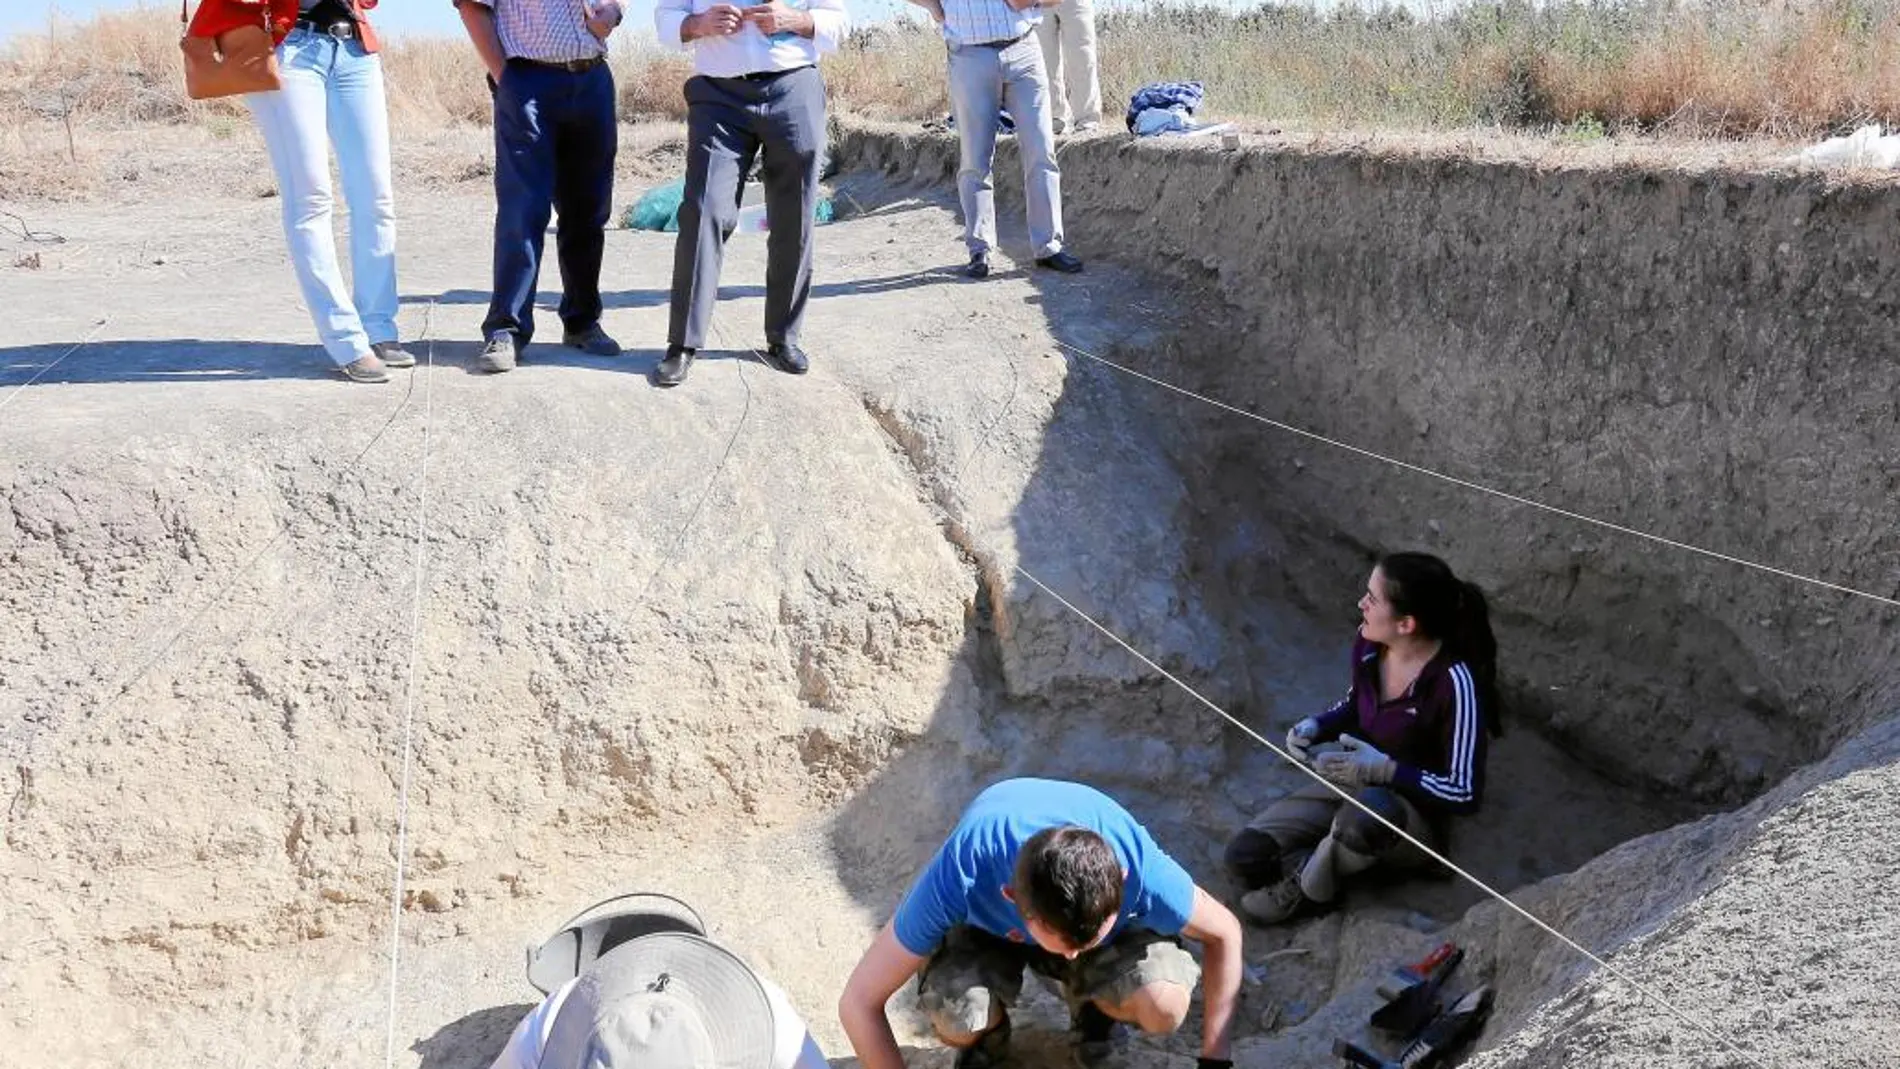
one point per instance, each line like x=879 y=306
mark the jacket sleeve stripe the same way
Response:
x=1456 y=785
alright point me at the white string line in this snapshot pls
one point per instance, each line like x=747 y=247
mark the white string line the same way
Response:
x=1401 y=832
x=231 y=581
x=1481 y=488
x=705 y=492
x=41 y=373
x=409 y=690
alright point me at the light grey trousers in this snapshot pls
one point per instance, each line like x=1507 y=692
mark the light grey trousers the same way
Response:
x=728 y=122
x=983 y=79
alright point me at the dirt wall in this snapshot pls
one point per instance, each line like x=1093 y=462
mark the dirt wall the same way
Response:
x=1704 y=355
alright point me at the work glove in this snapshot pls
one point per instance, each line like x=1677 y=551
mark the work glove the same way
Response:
x=1356 y=764
x=1299 y=738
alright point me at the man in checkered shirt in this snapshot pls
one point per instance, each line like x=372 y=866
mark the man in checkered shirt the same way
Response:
x=996 y=62
x=555 y=141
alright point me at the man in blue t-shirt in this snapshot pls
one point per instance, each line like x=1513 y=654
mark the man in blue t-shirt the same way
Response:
x=1057 y=877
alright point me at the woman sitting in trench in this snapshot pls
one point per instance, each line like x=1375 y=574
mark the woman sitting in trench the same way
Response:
x=1411 y=733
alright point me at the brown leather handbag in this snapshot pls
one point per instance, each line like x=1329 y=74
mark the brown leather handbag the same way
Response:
x=227 y=51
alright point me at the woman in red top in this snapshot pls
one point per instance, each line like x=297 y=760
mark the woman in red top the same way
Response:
x=1412 y=739
x=327 y=54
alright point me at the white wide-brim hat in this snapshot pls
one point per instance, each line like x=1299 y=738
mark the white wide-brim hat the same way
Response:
x=584 y=937
x=672 y=1000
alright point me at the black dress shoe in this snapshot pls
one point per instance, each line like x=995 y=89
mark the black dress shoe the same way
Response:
x=787 y=358
x=672 y=370
x=979 y=265
x=1063 y=261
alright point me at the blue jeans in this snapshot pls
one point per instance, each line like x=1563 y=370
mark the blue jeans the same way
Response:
x=555 y=141
x=333 y=94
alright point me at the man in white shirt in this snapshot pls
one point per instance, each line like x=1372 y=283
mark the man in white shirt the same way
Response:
x=755 y=87
x=666 y=999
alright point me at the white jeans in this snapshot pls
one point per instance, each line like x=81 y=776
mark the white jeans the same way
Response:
x=983 y=79
x=333 y=94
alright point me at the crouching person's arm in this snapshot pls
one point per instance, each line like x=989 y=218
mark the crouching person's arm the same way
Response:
x=879 y=974
x=1216 y=929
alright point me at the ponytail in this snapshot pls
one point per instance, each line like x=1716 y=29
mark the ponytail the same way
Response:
x=1452 y=611
x=1471 y=641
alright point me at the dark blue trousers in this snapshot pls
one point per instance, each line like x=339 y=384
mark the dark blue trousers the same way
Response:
x=555 y=141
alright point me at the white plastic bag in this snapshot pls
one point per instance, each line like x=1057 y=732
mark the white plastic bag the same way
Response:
x=1865 y=147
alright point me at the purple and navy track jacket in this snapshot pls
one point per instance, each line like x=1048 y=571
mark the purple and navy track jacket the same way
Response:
x=1435 y=730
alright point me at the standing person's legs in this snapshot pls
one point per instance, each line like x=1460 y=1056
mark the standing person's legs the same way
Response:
x=586 y=140
x=524 y=191
x=359 y=126
x=1053 y=31
x=1026 y=94
x=719 y=151
x=792 y=130
x=293 y=122
x=1078 y=73
x=976 y=90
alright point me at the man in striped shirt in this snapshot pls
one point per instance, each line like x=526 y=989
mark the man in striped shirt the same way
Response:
x=555 y=142
x=996 y=62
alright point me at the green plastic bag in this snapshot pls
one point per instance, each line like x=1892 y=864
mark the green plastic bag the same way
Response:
x=658 y=208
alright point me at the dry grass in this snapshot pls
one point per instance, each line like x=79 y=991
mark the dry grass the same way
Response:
x=1580 y=68
x=1719 y=69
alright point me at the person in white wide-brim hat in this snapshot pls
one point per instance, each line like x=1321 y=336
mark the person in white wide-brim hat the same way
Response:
x=633 y=983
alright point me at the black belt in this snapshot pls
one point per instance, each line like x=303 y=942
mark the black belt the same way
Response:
x=1000 y=45
x=344 y=29
x=572 y=66
x=766 y=76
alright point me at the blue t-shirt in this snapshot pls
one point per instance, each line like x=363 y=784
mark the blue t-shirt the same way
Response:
x=964 y=882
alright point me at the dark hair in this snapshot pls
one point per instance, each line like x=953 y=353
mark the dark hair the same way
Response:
x=1450 y=610
x=1069 y=879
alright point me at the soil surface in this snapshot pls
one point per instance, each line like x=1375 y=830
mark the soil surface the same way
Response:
x=752 y=641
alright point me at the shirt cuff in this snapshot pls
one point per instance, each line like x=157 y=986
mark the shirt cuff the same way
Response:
x=667 y=23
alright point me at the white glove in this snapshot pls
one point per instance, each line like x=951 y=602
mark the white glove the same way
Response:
x=1357 y=764
x=1299 y=738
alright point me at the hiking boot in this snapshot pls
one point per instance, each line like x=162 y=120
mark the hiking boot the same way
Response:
x=1276 y=903
x=1061 y=260
x=498 y=354
x=393 y=354
x=365 y=369
x=591 y=340
x=989 y=1051
x=978 y=267
x=672 y=370
x=1095 y=1035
